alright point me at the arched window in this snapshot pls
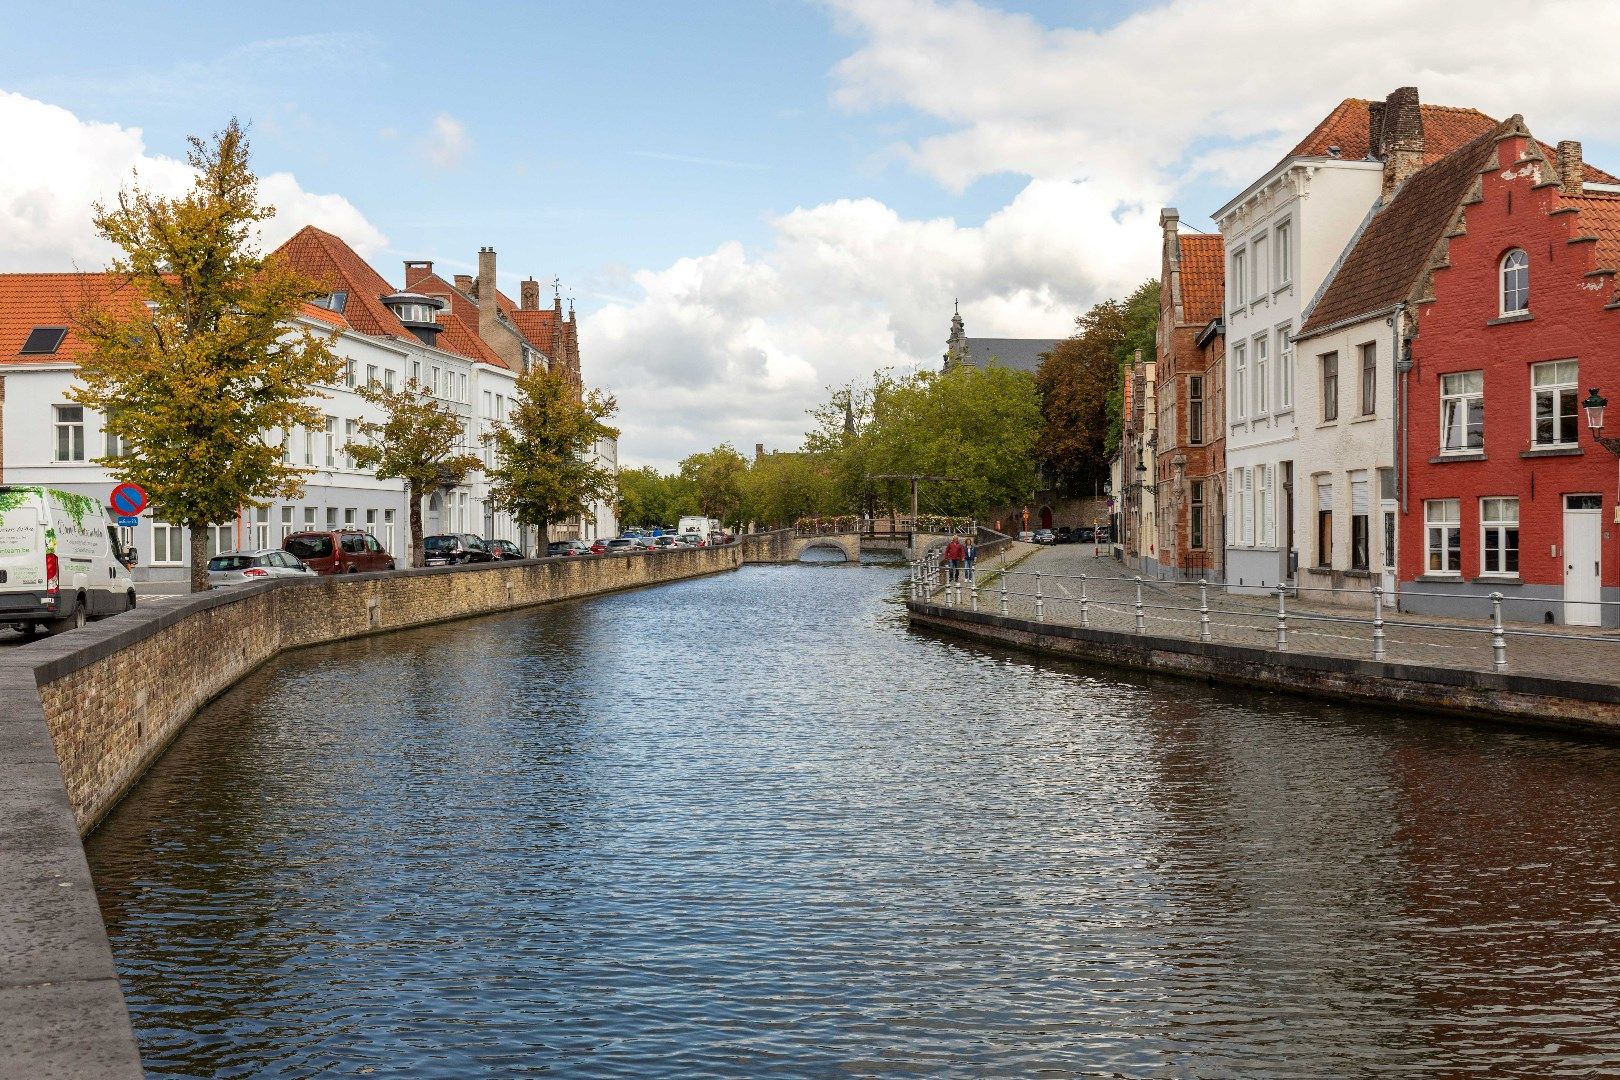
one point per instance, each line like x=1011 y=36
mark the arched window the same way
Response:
x=1515 y=283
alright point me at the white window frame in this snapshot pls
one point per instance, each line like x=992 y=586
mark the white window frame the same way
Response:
x=1494 y=524
x=67 y=445
x=1262 y=375
x=1322 y=386
x=1435 y=521
x=1282 y=259
x=1264 y=523
x=351 y=435
x=388 y=530
x=164 y=537
x=331 y=442
x=286 y=522
x=1248 y=507
x=1259 y=275
x=1239 y=278
x=1556 y=390
x=1462 y=398
x=1367 y=385
x=1285 y=369
x=1240 y=382
x=1513 y=283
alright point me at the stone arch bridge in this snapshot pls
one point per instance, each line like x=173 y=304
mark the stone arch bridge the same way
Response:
x=789 y=545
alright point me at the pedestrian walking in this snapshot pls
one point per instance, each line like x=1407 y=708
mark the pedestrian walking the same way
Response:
x=970 y=555
x=954 y=554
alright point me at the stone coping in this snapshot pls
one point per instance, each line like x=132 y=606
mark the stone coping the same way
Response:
x=1524 y=700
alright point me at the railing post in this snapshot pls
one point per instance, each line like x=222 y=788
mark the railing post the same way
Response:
x=1282 y=618
x=1040 y=604
x=973 y=592
x=1203 y=609
x=1378 y=622
x=1085 y=615
x=1498 y=638
x=1141 y=619
x=1004 y=592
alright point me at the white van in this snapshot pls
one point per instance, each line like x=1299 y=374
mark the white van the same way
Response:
x=59 y=560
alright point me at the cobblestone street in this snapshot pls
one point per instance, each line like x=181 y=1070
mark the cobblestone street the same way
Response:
x=1172 y=609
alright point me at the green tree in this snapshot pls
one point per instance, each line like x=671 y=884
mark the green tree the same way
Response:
x=648 y=497
x=419 y=441
x=545 y=453
x=198 y=360
x=781 y=488
x=716 y=477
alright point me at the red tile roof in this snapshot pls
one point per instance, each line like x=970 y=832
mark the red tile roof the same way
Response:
x=1445 y=128
x=1385 y=261
x=461 y=338
x=30 y=300
x=1599 y=217
x=332 y=263
x=1203 y=276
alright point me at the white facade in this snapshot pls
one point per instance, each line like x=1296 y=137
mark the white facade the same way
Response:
x=1345 y=456
x=48 y=440
x=1283 y=236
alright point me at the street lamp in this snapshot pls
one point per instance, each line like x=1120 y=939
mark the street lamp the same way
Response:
x=1595 y=406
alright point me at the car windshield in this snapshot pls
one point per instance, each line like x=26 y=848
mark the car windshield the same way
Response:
x=230 y=562
x=310 y=547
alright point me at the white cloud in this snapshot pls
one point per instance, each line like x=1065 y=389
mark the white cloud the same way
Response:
x=447 y=143
x=1108 y=125
x=53 y=166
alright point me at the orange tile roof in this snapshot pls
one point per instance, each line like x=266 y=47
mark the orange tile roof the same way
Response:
x=1599 y=217
x=1446 y=128
x=461 y=338
x=325 y=315
x=539 y=325
x=335 y=265
x=1203 y=276
x=30 y=300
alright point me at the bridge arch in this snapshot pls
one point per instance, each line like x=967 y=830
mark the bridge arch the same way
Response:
x=847 y=543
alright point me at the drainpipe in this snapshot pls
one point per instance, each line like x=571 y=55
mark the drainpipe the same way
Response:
x=1403 y=365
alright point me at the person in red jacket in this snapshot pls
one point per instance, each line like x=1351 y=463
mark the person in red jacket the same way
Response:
x=954 y=554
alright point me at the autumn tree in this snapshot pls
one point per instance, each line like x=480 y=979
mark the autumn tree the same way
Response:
x=1081 y=383
x=420 y=441
x=545 y=453
x=195 y=357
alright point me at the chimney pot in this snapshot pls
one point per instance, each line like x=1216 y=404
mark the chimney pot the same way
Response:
x=416 y=270
x=529 y=295
x=1571 y=172
x=464 y=283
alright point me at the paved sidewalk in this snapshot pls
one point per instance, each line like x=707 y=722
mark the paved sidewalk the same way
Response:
x=1171 y=609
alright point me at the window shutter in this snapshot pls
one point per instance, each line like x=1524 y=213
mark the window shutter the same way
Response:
x=1360 y=494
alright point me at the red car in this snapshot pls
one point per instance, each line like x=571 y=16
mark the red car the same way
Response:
x=599 y=547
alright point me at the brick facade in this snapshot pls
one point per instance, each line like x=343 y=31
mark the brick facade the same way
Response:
x=1570 y=237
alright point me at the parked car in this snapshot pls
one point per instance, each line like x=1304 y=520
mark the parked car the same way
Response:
x=339 y=551
x=562 y=548
x=1085 y=534
x=1065 y=535
x=60 y=562
x=1045 y=536
x=260 y=564
x=454 y=549
x=693 y=539
x=665 y=543
x=1105 y=534
x=599 y=547
x=504 y=549
x=623 y=545
x=1027 y=537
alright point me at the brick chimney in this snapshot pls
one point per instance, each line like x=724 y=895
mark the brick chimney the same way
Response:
x=759 y=451
x=464 y=284
x=529 y=295
x=416 y=270
x=489 y=312
x=1571 y=173
x=1400 y=138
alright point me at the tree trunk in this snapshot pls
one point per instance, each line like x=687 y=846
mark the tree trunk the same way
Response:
x=199 y=558
x=416 y=525
x=544 y=527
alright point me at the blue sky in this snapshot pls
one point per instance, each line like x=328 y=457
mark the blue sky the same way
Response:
x=752 y=200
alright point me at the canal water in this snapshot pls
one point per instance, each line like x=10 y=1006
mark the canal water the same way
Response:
x=751 y=825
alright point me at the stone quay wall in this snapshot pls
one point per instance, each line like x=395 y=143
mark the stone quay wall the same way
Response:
x=83 y=715
x=1520 y=700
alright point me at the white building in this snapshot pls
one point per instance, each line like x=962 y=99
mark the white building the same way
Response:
x=383 y=335
x=1287 y=448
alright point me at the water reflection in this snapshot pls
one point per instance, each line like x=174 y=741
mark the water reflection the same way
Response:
x=751 y=823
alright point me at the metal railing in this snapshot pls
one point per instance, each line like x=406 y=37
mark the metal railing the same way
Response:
x=1137 y=597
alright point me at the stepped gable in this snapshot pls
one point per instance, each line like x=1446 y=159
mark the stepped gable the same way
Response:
x=1386 y=261
x=332 y=263
x=1203 y=277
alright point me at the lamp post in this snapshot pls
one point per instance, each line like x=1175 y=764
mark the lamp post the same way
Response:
x=1595 y=405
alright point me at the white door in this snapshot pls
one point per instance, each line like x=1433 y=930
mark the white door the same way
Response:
x=1583 y=557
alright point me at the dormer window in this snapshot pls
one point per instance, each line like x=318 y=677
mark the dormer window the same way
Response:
x=1515 y=283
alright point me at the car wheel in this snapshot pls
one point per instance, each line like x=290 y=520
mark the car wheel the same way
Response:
x=354 y=569
x=74 y=620
x=129 y=601
x=391 y=564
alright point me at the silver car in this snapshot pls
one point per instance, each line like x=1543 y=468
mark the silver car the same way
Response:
x=247 y=567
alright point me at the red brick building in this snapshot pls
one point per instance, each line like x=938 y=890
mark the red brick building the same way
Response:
x=1191 y=431
x=1518 y=316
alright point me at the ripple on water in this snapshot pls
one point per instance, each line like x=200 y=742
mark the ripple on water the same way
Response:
x=752 y=824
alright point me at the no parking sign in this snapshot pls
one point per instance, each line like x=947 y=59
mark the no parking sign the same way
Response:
x=128 y=500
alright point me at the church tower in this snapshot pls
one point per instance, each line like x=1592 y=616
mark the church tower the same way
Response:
x=956 y=344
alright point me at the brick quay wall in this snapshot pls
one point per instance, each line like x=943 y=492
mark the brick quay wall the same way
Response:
x=84 y=715
x=1538 y=701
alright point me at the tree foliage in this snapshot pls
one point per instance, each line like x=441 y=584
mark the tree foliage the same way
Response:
x=418 y=441
x=545 y=453
x=650 y=498
x=716 y=478
x=198 y=360
x=1082 y=385
x=780 y=489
